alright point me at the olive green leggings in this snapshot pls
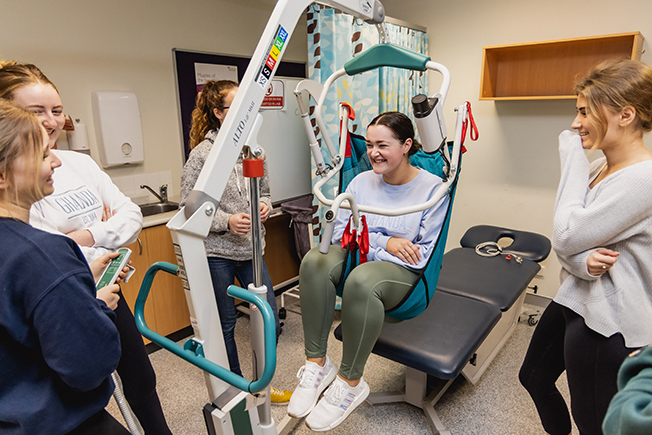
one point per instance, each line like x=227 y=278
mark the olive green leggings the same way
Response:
x=370 y=289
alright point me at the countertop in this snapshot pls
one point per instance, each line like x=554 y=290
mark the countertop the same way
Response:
x=164 y=218
x=158 y=219
x=161 y=218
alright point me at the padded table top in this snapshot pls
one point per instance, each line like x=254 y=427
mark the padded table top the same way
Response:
x=457 y=326
x=494 y=280
x=471 y=295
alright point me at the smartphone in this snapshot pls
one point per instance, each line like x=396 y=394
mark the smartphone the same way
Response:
x=112 y=271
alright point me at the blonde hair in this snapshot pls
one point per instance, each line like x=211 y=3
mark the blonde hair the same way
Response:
x=203 y=118
x=20 y=135
x=613 y=85
x=14 y=75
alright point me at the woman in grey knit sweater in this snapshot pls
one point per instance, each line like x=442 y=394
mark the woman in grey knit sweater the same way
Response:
x=228 y=245
x=603 y=239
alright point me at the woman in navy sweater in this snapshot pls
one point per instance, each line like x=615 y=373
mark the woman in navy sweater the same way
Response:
x=58 y=342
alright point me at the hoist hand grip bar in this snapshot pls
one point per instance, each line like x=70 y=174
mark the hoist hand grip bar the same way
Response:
x=192 y=356
x=331 y=217
x=386 y=55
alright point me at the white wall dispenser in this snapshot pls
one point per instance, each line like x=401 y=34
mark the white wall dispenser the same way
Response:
x=117 y=127
x=78 y=138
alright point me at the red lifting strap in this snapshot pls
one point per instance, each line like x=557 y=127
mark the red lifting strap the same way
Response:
x=473 y=131
x=351 y=113
x=351 y=240
x=348 y=236
x=253 y=168
x=363 y=241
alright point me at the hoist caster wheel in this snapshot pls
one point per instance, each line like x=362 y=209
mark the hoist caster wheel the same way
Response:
x=282 y=313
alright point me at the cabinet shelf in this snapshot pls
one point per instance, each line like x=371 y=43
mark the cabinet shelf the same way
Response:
x=548 y=69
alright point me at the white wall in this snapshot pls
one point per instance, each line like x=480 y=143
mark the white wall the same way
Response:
x=509 y=177
x=124 y=45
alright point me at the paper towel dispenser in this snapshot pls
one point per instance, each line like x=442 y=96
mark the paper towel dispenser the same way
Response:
x=78 y=138
x=117 y=127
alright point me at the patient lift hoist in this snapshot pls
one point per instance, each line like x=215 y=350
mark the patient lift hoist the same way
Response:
x=240 y=406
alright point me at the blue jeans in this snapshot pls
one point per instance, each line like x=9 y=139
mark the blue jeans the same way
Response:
x=223 y=271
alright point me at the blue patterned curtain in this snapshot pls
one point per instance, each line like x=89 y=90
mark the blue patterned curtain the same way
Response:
x=398 y=86
x=334 y=38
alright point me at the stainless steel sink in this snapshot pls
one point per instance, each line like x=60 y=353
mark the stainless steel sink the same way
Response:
x=158 y=207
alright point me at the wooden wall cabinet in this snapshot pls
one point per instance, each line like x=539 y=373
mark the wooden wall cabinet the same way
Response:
x=548 y=69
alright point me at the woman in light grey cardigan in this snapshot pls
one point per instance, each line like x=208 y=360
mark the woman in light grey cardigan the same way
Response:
x=603 y=239
x=228 y=245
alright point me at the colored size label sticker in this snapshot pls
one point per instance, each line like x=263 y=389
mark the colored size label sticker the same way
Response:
x=265 y=71
x=270 y=62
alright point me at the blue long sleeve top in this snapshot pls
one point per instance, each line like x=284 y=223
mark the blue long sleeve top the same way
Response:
x=421 y=228
x=58 y=343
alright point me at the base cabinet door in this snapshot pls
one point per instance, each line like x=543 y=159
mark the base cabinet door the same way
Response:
x=166 y=310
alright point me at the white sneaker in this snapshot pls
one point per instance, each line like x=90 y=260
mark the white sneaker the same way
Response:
x=338 y=402
x=313 y=379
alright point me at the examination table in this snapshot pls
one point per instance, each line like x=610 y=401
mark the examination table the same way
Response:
x=472 y=313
